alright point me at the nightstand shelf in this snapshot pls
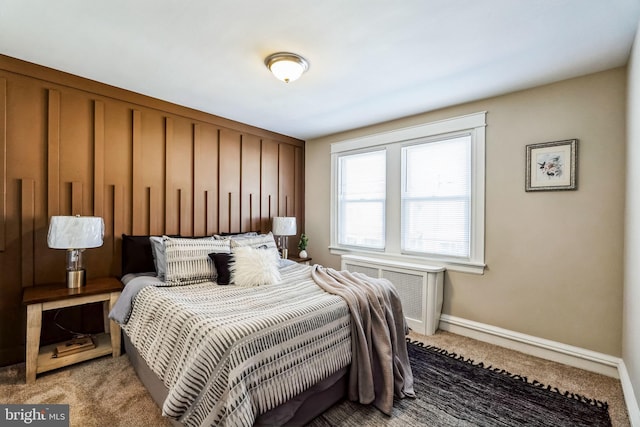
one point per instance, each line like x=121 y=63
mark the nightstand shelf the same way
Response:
x=51 y=297
x=46 y=361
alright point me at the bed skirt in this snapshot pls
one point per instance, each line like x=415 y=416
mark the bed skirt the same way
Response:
x=296 y=412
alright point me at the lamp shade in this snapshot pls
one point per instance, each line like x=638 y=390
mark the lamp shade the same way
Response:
x=284 y=226
x=75 y=232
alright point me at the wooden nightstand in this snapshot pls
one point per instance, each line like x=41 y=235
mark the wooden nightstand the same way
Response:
x=305 y=261
x=51 y=297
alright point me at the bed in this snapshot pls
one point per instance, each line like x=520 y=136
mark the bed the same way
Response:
x=223 y=332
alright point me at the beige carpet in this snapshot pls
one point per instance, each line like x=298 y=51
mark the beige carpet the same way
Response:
x=101 y=392
x=107 y=392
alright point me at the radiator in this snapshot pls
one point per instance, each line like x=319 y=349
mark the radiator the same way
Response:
x=419 y=287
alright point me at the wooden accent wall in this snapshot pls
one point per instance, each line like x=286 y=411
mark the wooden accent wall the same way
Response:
x=71 y=146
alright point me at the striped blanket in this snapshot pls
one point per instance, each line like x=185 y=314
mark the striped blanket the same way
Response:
x=228 y=354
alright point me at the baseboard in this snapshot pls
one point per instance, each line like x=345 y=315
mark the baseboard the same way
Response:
x=629 y=395
x=551 y=350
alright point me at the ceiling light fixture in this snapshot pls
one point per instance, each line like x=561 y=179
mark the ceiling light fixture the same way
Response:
x=286 y=66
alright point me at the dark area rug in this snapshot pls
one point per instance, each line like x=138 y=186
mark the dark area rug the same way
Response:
x=452 y=391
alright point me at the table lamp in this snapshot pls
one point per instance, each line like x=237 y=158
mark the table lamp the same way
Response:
x=75 y=234
x=283 y=227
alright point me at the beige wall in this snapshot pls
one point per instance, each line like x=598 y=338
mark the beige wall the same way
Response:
x=554 y=259
x=631 y=319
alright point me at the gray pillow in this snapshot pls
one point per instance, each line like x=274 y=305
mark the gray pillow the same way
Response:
x=157 y=249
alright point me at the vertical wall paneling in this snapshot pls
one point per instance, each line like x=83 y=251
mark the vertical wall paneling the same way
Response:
x=229 y=180
x=76 y=198
x=187 y=224
x=147 y=212
x=3 y=164
x=147 y=209
x=189 y=201
x=172 y=205
x=208 y=225
x=27 y=228
x=114 y=221
x=199 y=196
x=229 y=225
x=53 y=153
x=110 y=219
x=105 y=258
x=182 y=209
x=286 y=179
x=155 y=225
x=98 y=158
x=205 y=185
x=251 y=213
x=137 y=185
x=118 y=210
x=250 y=183
x=268 y=183
x=298 y=190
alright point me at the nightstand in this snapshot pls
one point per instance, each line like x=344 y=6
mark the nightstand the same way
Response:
x=52 y=297
x=305 y=261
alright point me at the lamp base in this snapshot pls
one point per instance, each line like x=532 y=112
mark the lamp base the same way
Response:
x=285 y=253
x=76 y=279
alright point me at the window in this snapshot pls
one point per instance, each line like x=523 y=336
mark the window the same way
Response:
x=414 y=194
x=436 y=197
x=361 y=199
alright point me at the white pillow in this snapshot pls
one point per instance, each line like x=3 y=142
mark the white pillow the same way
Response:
x=188 y=260
x=254 y=267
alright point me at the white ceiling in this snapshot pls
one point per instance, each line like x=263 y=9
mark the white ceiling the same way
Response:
x=371 y=60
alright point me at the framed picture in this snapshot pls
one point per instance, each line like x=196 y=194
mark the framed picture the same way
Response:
x=552 y=166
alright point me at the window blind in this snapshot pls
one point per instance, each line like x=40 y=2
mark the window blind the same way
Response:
x=436 y=198
x=361 y=199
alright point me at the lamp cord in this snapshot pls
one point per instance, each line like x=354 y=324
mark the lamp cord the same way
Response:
x=73 y=333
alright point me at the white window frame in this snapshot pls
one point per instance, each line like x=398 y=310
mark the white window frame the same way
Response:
x=384 y=203
x=472 y=124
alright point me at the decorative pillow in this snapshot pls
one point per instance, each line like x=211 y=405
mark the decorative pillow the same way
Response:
x=157 y=249
x=222 y=262
x=136 y=255
x=188 y=260
x=224 y=235
x=263 y=241
x=159 y=260
x=254 y=267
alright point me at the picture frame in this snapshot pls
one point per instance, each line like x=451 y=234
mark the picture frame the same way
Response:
x=552 y=166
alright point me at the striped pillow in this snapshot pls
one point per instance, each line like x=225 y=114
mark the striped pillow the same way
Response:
x=263 y=241
x=188 y=260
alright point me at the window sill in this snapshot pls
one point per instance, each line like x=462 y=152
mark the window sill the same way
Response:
x=451 y=265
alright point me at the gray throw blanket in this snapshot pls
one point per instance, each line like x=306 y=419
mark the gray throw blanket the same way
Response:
x=380 y=362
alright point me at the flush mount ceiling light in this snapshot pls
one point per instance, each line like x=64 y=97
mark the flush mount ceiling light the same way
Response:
x=286 y=66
